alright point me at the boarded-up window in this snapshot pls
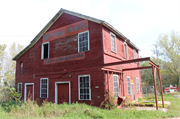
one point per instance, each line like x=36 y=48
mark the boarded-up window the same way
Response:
x=44 y=88
x=115 y=86
x=84 y=87
x=83 y=42
x=128 y=86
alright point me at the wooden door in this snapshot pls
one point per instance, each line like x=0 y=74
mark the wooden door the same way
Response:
x=63 y=93
x=29 y=92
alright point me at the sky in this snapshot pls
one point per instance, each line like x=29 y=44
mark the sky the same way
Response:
x=141 y=21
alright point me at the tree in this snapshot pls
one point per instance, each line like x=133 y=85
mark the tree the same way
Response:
x=169 y=48
x=2 y=55
x=9 y=75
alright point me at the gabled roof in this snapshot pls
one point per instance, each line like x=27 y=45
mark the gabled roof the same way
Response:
x=53 y=20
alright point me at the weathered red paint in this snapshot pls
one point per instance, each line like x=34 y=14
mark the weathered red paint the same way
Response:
x=100 y=53
x=66 y=31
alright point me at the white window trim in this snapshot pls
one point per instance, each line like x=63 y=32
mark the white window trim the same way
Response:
x=127 y=84
x=56 y=90
x=88 y=41
x=126 y=50
x=25 y=91
x=138 y=89
x=89 y=86
x=18 y=89
x=135 y=55
x=42 y=49
x=115 y=42
x=113 y=84
x=47 y=87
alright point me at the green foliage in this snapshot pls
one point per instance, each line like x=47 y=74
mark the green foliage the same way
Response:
x=31 y=109
x=109 y=101
x=169 y=48
x=10 y=66
x=8 y=94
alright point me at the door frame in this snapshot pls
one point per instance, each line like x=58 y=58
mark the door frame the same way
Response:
x=25 y=91
x=56 y=90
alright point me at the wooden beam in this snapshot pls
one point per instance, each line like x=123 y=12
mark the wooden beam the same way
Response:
x=113 y=70
x=153 y=64
x=137 y=68
x=154 y=79
x=127 y=61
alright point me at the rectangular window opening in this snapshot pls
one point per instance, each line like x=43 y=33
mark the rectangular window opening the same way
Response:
x=137 y=85
x=44 y=88
x=113 y=42
x=19 y=89
x=84 y=87
x=21 y=67
x=125 y=50
x=115 y=86
x=45 y=50
x=83 y=41
x=135 y=56
x=128 y=86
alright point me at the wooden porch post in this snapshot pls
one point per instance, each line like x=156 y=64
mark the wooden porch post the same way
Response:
x=154 y=78
x=161 y=87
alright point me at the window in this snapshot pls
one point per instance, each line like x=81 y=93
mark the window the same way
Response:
x=125 y=51
x=83 y=41
x=19 y=89
x=137 y=84
x=44 y=88
x=135 y=56
x=84 y=87
x=21 y=67
x=115 y=86
x=128 y=86
x=45 y=50
x=113 y=42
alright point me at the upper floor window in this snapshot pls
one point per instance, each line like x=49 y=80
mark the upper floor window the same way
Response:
x=45 y=50
x=83 y=41
x=135 y=56
x=84 y=87
x=21 y=67
x=44 y=88
x=125 y=50
x=115 y=86
x=113 y=42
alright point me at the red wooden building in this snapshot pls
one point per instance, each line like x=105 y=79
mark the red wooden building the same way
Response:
x=70 y=60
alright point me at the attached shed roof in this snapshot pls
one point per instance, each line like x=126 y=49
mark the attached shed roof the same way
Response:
x=60 y=12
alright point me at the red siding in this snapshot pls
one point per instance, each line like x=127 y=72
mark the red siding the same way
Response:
x=34 y=68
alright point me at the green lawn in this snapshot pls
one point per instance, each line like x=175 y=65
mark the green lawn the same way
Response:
x=49 y=110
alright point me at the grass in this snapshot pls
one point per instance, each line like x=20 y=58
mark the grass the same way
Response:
x=50 y=110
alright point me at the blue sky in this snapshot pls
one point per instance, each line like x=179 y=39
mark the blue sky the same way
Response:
x=140 y=21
